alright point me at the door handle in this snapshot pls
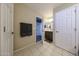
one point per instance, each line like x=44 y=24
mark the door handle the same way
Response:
x=57 y=31
x=12 y=32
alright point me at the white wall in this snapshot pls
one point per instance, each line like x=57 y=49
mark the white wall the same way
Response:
x=61 y=7
x=22 y=13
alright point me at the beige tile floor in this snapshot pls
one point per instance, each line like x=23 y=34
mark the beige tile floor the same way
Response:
x=45 y=49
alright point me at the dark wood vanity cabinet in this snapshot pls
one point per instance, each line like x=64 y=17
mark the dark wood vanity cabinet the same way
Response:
x=49 y=36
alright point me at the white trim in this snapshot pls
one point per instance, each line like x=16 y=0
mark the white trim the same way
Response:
x=24 y=47
x=0 y=30
x=35 y=29
x=27 y=46
x=64 y=49
x=13 y=26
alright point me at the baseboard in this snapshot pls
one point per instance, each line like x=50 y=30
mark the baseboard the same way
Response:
x=63 y=49
x=23 y=47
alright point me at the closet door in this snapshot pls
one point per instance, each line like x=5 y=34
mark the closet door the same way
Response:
x=65 y=29
x=4 y=49
x=9 y=28
x=6 y=29
x=58 y=29
x=70 y=35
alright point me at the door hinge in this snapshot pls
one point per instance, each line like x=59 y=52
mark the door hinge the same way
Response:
x=75 y=10
x=4 y=28
x=75 y=47
x=12 y=32
x=75 y=29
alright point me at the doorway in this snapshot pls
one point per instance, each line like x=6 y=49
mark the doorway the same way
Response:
x=39 y=29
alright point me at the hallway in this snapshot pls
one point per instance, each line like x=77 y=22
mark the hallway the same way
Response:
x=25 y=24
x=47 y=49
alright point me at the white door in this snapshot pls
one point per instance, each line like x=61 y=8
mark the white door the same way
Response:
x=7 y=29
x=65 y=29
x=77 y=27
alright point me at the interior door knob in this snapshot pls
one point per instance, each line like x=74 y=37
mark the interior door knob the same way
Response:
x=12 y=32
x=57 y=31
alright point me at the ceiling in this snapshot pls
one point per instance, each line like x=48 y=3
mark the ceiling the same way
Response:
x=45 y=9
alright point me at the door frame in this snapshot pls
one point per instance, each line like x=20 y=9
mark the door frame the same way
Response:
x=77 y=39
x=12 y=28
x=42 y=31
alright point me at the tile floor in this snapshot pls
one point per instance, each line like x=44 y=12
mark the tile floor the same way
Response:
x=45 y=49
